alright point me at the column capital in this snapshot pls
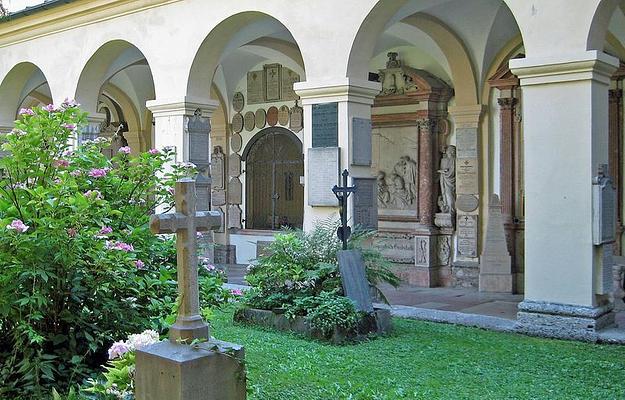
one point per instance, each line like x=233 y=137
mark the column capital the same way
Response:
x=507 y=103
x=467 y=116
x=183 y=106
x=590 y=65
x=340 y=90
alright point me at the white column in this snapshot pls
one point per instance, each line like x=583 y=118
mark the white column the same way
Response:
x=565 y=118
x=354 y=98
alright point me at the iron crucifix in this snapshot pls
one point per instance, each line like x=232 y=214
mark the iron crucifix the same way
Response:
x=185 y=224
x=342 y=193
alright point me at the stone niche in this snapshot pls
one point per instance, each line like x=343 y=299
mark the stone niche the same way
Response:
x=409 y=129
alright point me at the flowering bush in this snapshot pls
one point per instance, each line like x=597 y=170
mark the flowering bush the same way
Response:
x=79 y=265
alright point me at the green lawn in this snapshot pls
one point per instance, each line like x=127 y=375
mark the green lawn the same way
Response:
x=426 y=361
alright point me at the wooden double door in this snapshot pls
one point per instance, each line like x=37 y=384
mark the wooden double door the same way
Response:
x=274 y=196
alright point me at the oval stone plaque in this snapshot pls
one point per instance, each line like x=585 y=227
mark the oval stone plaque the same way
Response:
x=236 y=142
x=237 y=122
x=467 y=202
x=249 y=121
x=283 y=115
x=238 y=101
x=272 y=116
x=297 y=119
x=261 y=118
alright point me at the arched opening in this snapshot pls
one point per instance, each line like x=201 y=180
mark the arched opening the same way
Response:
x=25 y=86
x=113 y=87
x=274 y=164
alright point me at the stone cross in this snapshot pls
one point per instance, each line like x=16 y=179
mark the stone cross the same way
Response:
x=185 y=224
x=342 y=193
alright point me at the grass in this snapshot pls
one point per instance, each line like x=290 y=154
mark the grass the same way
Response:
x=422 y=360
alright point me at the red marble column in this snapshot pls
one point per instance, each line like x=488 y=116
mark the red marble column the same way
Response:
x=615 y=156
x=427 y=191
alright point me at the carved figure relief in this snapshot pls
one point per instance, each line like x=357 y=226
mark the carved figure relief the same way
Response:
x=393 y=78
x=422 y=251
x=398 y=189
x=444 y=249
x=447 y=174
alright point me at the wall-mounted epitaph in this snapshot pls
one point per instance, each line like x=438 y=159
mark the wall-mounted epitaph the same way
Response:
x=260 y=118
x=234 y=165
x=249 y=121
x=325 y=125
x=218 y=198
x=218 y=168
x=235 y=191
x=466 y=175
x=255 y=83
x=603 y=208
x=283 y=115
x=272 y=116
x=365 y=203
x=323 y=174
x=467 y=235
x=297 y=118
x=273 y=82
x=289 y=77
x=237 y=123
x=236 y=142
x=234 y=217
x=361 y=142
x=238 y=101
x=466 y=142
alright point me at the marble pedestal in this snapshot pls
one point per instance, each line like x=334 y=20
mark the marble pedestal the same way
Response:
x=563 y=321
x=207 y=371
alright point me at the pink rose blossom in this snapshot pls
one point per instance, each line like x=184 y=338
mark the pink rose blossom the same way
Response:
x=118 y=349
x=153 y=151
x=106 y=230
x=18 y=226
x=61 y=163
x=26 y=111
x=139 y=264
x=124 y=150
x=236 y=292
x=98 y=172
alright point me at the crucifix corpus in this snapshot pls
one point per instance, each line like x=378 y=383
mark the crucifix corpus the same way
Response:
x=185 y=223
x=342 y=193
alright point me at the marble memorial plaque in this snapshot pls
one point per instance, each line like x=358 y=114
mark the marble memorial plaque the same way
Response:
x=467 y=235
x=199 y=149
x=255 y=87
x=396 y=248
x=289 y=77
x=297 y=119
x=237 y=123
x=365 y=203
x=238 y=101
x=235 y=191
x=260 y=118
x=234 y=217
x=466 y=142
x=236 y=142
x=218 y=172
x=219 y=198
x=272 y=116
x=273 y=82
x=325 y=125
x=466 y=175
x=323 y=174
x=603 y=209
x=234 y=165
x=203 y=196
x=283 y=115
x=361 y=142
x=467 y=202
x=249 y=121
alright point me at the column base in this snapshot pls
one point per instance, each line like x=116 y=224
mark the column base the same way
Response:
x=563 y=321
x=213 y=370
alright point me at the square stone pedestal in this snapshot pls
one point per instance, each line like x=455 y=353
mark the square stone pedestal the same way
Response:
x=563 y=321
x=496 y=283
x=207 y=371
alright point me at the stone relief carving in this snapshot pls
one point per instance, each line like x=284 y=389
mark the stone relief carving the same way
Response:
x=444 y=249
x=447 y=172
x=398 y=189
x=422 y=251
x=393 y=78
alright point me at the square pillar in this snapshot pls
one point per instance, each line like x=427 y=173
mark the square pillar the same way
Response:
x=353 y=99
x=565 y=118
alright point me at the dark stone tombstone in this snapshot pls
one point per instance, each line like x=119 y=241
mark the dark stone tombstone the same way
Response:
x=365 y=204
x=354 y=279
x=325 y=125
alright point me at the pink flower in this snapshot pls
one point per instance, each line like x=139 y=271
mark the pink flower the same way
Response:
x=106 y=230
x=139 y=264
x=171 y=191
x=124 y=150
x=50 y=108
x=76 y=173
x=118 y=349
x=18 y=226
x=236 y=292
x=121 y=246
x=153 y=151
x=67 y=103
x=71 y=232
x=93 y=194
x=61 y=163
x=26 y=111
x=69 y=127
x=98 y=172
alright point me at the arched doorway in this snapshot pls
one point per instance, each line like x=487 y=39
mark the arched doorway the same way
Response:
x=274 y=196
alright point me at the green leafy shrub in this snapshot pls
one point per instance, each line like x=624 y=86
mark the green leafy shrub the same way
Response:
x=79 y=265
x=332 y=312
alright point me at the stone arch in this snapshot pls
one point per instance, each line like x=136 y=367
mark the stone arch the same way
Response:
x=228 y=35
x=598 y=31
x=108 y=60
x=12 y=90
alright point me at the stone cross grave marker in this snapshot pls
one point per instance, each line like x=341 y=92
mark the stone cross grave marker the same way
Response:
x=185 y=223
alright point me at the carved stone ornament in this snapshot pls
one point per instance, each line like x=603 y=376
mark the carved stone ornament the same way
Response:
x=394 y=79
x=397 y=189
x=447 y=172
x=199 y=124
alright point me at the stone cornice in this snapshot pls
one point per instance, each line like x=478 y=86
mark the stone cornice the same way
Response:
x=352 y=90
x=69 y=16
x=169 y=108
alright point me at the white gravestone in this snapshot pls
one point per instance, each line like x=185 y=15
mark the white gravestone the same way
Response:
x=323 y=174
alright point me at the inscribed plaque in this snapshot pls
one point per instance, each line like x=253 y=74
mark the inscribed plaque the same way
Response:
x=361 y=142
x=396 y=248
x=234 y=165
x=466 y=175
x=261 y=118
x=604 y=209
x=323 y=174
x=234 y=217
x=467 y=202
x=218 y=168
x=235 y=191
x=325 y=125
x=365 y=204
x=272 y=116
x=199 y=148
x=249 y=121
x=289 y=77
x=297 y=119
x=219 y=198
x=354 y=279
x=467 y=235
x=236 y=142
x=283 y=115
x=466 y=142
x=272 y=82
x=238 y=101
x=237 y=123
x=255 y=87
